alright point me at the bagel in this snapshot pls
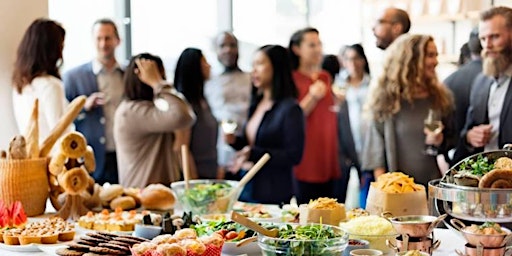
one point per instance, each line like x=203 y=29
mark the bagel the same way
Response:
x=73 y=145
x=74 y=181
x=57 y=164
x=497 y=178
x=89 y=160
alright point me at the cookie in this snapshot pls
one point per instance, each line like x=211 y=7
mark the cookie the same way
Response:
x=84 y=242
x=115 y=247
x=104 y=250
x=112 y=235
x=140 y=239
x=92 y=254
x=68 y=252
x=120 y=243
x=99 y=236
x=79 y=247
x=93 y=239
x=127 y=240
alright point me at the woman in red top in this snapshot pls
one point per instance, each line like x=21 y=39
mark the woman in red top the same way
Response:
x=320 y=163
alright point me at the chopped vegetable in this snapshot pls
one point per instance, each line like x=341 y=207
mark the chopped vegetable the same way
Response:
x=481 y=166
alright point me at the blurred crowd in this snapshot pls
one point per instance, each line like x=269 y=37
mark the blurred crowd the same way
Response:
x=318 y=116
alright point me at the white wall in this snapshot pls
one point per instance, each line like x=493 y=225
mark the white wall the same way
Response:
x=16 y=17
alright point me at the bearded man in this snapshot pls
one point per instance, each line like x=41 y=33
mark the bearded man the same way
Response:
x=489 y=120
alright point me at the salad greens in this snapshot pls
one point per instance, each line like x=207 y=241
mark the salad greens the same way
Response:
x=311 y=239
x=481 y=166
x=222 y=226
x=201 y=196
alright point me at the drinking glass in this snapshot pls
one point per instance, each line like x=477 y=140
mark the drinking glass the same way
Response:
x=228 y=126
x=434 y=124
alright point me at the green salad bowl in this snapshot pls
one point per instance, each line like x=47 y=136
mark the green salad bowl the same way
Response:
x=207 y=196
x=310 y=239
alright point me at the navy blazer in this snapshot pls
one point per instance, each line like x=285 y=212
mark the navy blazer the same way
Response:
x=82 y=81
x=477 y=115
x=281 y=134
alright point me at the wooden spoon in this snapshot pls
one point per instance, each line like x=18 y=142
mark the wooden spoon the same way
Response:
x=185 y=165
x=223 y=202
x=242 y=220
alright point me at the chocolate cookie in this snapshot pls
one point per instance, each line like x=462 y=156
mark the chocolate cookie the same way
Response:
x=140 y=239
x=112 y=235
x=120 y=243
x=94 y=239
x=101 y=236
x=127 y=240
x=79 y=247
x=84 y=242
x=68 y=252
x=115 y=246
x=104 y=250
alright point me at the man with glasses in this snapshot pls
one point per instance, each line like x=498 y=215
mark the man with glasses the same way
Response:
x=392 y=23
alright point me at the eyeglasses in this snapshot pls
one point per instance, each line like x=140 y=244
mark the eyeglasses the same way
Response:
x=383 y=21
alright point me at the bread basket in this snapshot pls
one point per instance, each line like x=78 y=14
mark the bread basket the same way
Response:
x=25 y=180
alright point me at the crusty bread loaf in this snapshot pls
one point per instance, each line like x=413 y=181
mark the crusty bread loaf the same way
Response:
x=157 y=197
x=32 y=133
x=72 y=112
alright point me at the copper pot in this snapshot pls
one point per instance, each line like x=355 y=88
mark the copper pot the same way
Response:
x=482 y=251
x=487 y=241
x=415 y=225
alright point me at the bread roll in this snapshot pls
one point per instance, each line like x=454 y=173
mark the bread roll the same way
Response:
x=157 y=197
x=110 y=192
x=123 y=202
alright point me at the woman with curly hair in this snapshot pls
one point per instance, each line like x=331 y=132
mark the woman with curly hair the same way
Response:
x=398 y=104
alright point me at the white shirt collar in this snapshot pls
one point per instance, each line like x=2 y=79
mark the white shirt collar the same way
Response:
x=97 y=67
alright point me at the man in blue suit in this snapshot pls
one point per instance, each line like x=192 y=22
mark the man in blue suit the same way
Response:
x=101 y=80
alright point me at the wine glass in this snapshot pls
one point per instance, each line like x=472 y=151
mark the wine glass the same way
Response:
x=434 y=124
x=340 y=93
x=228 y=126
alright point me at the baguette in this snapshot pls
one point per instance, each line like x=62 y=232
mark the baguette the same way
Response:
x=72 y=112
x=32 y=134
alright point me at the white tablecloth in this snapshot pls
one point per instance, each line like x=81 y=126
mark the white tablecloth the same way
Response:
x=449 y=242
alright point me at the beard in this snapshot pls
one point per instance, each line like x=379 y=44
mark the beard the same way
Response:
x=494 y=66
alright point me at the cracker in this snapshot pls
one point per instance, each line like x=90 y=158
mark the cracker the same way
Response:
x=68 y=252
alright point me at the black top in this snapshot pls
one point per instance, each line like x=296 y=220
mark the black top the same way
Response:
x=281 y=134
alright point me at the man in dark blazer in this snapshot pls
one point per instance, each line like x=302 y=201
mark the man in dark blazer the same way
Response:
x=101 y=80
x=489 y=119
x=460 y=82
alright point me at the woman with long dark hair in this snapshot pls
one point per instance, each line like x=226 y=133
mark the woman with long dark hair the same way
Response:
x=145 y=122
x=275 y=126
x=36 y=76
x=319 y=168
x=192 y=70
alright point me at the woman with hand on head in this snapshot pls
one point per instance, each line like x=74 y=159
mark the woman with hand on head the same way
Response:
x=275 y=126
x=320 y=164
x=145 y=122
x=398 y=105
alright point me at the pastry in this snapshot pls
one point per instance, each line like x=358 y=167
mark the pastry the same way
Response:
x=497 y=178
x=73 y=145
x=57 y=164
x=72 y=112
x=74 y=181
x=89 y=160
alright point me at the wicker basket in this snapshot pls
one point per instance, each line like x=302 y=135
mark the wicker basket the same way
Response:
x=26 y=181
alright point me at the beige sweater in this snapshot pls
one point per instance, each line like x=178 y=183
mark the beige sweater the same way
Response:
x=144 y=139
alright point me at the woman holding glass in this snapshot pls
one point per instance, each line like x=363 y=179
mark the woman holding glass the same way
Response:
x=398 y=104
x=275 y=125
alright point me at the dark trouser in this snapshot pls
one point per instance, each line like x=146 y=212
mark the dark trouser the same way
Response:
x=110 y=173
x=366 y=180
x=340 y=185
x=306 y=191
